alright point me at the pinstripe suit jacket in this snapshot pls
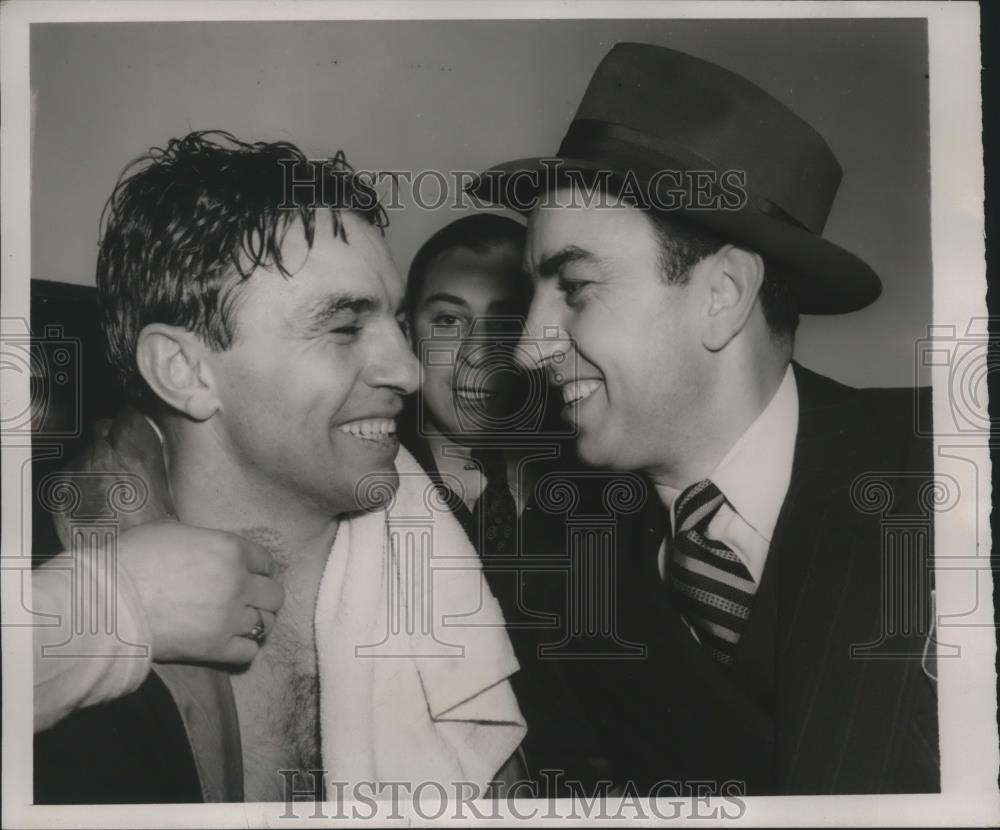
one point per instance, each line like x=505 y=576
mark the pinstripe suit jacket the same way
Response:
x=829 y=692
x=855 y=710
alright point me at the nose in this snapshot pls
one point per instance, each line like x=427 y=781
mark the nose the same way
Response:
x=544 y=344
x=395 y=366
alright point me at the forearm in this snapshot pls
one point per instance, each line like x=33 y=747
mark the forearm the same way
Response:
x=94 y=644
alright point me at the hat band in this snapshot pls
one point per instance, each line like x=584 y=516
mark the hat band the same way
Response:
x=594 y=141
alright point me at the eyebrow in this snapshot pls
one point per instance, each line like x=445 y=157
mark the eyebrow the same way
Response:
x=553 y=264
x=320 y=311
x=445 y=297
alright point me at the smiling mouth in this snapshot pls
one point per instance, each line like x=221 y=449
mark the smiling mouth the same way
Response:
x=375 y=430
x=579 y=390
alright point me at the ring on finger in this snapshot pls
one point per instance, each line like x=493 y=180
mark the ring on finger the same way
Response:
x=259 y=630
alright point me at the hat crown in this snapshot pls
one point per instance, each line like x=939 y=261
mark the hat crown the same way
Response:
x=652 y=117
x=710 y=118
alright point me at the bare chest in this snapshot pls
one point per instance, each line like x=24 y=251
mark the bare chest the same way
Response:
x=277 y=700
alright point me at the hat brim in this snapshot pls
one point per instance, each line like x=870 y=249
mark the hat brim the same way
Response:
x=824 y=278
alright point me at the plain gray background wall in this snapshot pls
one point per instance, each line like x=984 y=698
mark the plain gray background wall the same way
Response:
x=462 y=95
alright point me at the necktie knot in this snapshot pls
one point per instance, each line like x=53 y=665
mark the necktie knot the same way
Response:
x=695 y=506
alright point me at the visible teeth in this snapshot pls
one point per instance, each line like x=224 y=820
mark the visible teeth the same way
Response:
x=579 y=389
x=370 y=428
x=474 y=394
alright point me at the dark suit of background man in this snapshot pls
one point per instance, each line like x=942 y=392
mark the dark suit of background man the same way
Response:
x=757 y=581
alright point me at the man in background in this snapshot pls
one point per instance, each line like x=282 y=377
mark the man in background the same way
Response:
x=478 y=424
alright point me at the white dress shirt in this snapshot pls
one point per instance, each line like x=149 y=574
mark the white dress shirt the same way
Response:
x=753 y=477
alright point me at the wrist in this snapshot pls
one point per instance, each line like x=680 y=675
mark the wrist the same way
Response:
x=132 y=617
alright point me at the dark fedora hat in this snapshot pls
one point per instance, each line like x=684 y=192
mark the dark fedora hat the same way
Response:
x=650 y=111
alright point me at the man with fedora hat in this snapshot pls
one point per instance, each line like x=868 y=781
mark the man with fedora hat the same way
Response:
x=758 y=581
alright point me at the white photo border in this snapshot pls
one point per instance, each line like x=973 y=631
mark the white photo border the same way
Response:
x=967 y=708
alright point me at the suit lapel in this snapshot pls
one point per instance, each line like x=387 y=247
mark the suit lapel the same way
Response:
x=813 y=559
x=720 y=731
x=755 y=653
x=835 y=716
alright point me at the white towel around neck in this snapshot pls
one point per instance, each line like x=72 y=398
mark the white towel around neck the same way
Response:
x=429 y=701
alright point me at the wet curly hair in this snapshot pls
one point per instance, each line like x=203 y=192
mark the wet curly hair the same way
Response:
x=187 y=224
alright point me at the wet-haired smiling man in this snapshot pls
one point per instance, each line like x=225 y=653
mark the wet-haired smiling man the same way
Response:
x=257 y=331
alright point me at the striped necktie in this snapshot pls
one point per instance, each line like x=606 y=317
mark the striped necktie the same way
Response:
x=710 y=585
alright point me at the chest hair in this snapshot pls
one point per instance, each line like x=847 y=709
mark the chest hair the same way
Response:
x=277 y=696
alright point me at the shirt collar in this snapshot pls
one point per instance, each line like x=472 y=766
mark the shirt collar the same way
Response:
x=755 y=473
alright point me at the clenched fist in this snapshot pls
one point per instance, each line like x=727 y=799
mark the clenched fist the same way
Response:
x=202 y=590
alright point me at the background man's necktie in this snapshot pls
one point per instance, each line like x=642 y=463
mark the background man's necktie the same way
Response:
x=494 y=514
x=711 y=587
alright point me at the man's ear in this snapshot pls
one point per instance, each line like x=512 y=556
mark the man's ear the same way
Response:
x=171 y=360
x=734 y=276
